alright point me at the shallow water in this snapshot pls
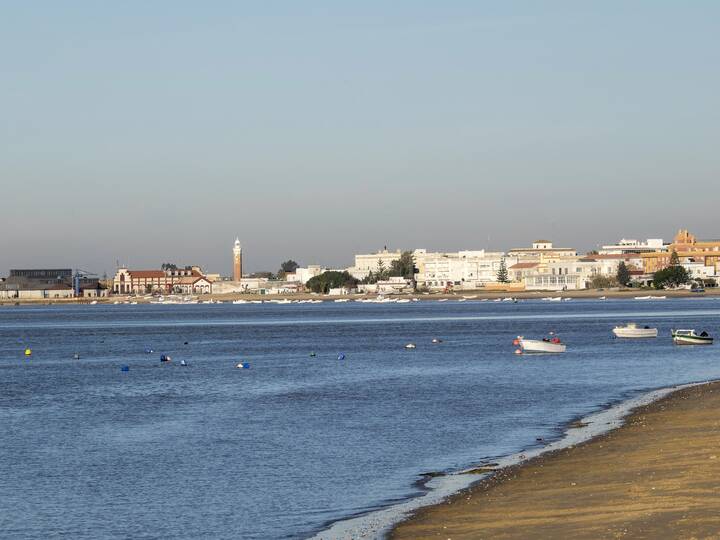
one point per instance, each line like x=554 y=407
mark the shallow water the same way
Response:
x=293 y=443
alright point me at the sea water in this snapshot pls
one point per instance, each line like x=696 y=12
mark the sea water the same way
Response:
x=296 y=442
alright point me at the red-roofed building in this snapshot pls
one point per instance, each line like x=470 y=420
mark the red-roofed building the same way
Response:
x=189 y=280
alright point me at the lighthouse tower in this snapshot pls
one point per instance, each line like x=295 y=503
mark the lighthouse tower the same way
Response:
x=237 y=261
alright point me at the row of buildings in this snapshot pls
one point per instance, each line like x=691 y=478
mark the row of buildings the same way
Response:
x=46 y=283
x=541 y=266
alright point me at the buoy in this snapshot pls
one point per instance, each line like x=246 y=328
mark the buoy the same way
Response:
x=313 y=355
x=124 y=368
x=518 y=351
x=182 y=363
x=185 y=343
x=410 y=346
x=76 y=356
x=243 y=365
x=516 y=342
x=148 y=351
x=165 y=358
x=28 y=352
x=341 y=356
x=437 y=340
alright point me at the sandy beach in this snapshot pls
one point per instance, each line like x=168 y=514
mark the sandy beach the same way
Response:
x=657 y=476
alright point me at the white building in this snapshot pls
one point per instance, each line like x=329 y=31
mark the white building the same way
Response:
x=461 y=269
x=627 y=245
x=303 y=275
x=371 y=262
x=541 y=250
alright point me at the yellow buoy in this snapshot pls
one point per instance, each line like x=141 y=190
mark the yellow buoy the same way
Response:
x=28 y=352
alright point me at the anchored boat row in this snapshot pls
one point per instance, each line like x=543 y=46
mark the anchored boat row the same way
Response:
x=553 y=344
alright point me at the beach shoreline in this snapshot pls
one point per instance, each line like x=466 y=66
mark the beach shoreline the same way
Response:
x=637 y=479
x=440 y=489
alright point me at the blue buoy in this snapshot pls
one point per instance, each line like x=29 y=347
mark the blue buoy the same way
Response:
x=341 y=356
x=124 y=368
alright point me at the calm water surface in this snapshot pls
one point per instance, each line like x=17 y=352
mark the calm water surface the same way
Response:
x=293 y=443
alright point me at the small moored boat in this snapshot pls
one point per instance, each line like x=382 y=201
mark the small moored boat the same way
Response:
x=546 y=345
x=690 y=337
x=632 y=330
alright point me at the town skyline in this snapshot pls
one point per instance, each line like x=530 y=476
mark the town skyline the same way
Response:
x=226 y=266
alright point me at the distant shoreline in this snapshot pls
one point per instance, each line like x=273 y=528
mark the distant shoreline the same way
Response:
x=479 y=294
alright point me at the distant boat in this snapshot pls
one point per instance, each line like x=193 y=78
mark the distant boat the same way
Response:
x=602 y=298
x=403 y=301
x=631 y=330
x=443 y=300
x=342 y=300
x=239 y=301
x=546 y=345
x=690 y=337
x=470 y=297
x=462 y=299
x=649 y=297
x=410 y=346
x=553 y=298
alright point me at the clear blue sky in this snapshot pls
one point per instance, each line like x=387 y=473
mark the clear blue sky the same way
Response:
x=158 y=131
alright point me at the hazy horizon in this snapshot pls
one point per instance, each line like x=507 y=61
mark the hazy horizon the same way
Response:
x=149 y=133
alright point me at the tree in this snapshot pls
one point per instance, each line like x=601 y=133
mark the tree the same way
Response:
x=168 y=266
x=502 y=273
x=331 y=280
x=403 y=267
x=288 y=267
x=674 y=259
x=382 y=272
x=602 y=282
x=623 y=274
x=672 y=276
x=262 y=275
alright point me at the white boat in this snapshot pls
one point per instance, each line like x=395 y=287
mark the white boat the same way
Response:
x=553 y=298
x=690 y=337
x=546 y=345
x=602 y=298
x=410 y=346
x=632 y=330
x=650 y=297
x=239 y=301
x=339 y=300
x=403 y=301
x=443 y=300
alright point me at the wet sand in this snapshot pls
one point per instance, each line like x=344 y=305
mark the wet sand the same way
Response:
x=657 y=476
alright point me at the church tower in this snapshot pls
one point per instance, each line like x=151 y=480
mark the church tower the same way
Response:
x=237 y=261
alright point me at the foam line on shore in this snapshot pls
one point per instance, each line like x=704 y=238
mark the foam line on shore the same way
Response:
x=379 y=523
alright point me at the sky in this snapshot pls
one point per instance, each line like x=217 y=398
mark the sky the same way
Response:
x=147 y=132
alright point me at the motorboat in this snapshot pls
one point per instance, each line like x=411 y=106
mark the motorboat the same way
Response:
x=632 y=330
x=550 y=344
x=690 y=337
x=410 y=346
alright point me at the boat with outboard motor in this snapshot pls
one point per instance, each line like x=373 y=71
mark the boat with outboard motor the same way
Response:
x=690 y=337
x=551 y=345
